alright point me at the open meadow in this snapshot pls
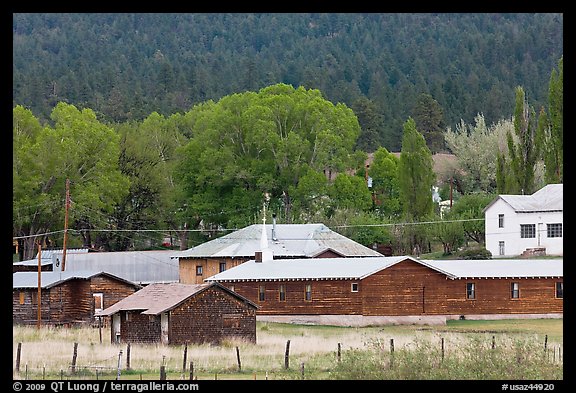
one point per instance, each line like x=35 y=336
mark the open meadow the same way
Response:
x=472 y=350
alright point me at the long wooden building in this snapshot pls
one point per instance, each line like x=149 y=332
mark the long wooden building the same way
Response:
x=353 y=291
x=66 y=298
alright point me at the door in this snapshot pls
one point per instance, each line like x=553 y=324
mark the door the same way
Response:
x=164 y=328
x=116 y=328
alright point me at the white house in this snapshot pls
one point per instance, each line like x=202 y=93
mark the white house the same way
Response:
x=518 y=223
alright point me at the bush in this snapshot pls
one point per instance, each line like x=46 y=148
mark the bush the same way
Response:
x=475 y=253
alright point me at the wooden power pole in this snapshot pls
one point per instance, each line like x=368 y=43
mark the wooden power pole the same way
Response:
x=39 y=316
x=67 y=204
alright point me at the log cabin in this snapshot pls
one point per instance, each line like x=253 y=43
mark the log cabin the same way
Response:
x=287 y=241
x=399 y=289
x=175 y=313
x=67 y=298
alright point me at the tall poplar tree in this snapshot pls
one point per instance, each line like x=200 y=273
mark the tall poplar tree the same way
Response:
x=416 y=173
x=554 y=133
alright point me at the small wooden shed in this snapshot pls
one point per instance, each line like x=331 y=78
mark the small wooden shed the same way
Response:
x=175 y=313
x=66 y=298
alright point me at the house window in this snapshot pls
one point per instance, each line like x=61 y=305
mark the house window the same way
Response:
x=501 y=248
x=527 y=231
x=98 y=301
x=354 y=287
x=470 y=290
x=308 y=292
x=560 y=290
x=199 y=270
x=261 y=292
x=515 y=290
x=222 y=266
x=282 y=293
x=22 y=297
x=500 y=220
x=554 y=230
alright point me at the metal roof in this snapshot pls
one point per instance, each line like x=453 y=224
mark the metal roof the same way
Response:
x=292 y=241
x=142 y=267
x=359 y=268
x=22 y=280
x=307 y=269
x=157 y=298
x=500 y=268
x=548 y=198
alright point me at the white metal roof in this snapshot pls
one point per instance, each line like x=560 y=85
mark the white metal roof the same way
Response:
x=292 y=241
x=548 y=198
x=359 y=268
x=500 y=268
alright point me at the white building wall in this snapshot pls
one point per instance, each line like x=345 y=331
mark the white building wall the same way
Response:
x=514 y=245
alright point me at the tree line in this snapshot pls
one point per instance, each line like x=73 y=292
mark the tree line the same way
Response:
x=384 y=66
x=214 y=166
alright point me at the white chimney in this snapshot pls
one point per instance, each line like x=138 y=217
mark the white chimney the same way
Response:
x=265 y=253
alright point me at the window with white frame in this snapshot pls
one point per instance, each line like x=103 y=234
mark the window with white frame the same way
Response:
x=501 y=250
x=515 y=290
x=500 y=220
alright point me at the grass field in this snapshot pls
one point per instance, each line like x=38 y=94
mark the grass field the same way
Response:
x=459 y=350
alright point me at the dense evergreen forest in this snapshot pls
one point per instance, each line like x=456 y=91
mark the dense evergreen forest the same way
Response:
x=126 y=66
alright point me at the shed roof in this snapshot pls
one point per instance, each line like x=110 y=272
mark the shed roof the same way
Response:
x=288 y=241
x=548 y=198
x=160 y=297
x=21 y=280
x=142 y=267
x=359 y=268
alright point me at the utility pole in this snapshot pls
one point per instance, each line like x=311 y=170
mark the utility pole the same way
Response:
x=67 y=204
x=39 y=316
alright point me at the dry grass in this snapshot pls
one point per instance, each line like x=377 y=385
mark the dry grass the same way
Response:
x=50 y=350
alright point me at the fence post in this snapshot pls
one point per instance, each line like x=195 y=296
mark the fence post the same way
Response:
x=238 y=357
x=493 y=342
x=442 y=349
x=74 y=356
x=302 y=369
x=184 y=361
x=391 y=352
x=191 y=370
x=339 y=352
x=128 y=356
x=18 y=351
x=287 y=355
x=162 y=373
x=119 y=363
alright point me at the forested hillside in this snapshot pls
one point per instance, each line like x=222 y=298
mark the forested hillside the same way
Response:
x=126 y=66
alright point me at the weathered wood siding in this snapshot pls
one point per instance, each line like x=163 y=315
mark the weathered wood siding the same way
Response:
x=330 y=297
x=139 y=328
x=210 y=317
x=210 y=267
x=113 y=290
x=406 y=288
x=69 y=302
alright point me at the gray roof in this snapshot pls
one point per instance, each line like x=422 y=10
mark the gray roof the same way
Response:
x=500 y=268
x=359 y=268
x=143 y=267
x=548 y=198
x=157 y=298
x=293 y=241
x=21 y=280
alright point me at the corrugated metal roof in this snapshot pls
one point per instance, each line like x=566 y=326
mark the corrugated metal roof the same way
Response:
x=548 y=198
x=500 y=268
x=49 y=279
x=142 y=267
x=307 y=269
x=293 y=240
x=157 y=298
x=359 y=268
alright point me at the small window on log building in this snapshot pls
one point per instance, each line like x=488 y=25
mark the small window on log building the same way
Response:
x=261 y=293
x=470 y=290
x=22 y=297
x=354 y=287
x=515 y=290
x=222 y=266
x=199 y=270
x=282 y=293
x=560 y=290
x=308 y=293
